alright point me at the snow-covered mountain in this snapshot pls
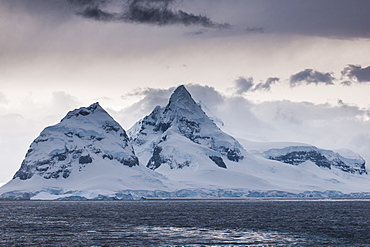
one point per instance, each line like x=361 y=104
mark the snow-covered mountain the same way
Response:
x=87 y=151
x=83 y=136
x=175 y=151
x=182 y=135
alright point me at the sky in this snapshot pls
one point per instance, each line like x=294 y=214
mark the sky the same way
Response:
x=270 y=70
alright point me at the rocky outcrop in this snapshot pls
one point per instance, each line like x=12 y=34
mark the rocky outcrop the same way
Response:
x=296 y=155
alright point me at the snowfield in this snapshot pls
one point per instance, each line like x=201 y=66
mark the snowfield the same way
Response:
x=176 y=151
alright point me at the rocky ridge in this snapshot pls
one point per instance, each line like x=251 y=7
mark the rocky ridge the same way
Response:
x=296 y=155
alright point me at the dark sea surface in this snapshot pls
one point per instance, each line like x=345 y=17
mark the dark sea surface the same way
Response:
x=185 y=222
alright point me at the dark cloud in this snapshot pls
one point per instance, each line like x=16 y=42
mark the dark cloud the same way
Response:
x=344 y=19
x=243 y=85
x=310 y=76
x=47 y=11
x=89 y=2
x=97 y=14
x=158 y=12
x=266 y=86
x=357 y=73
x=155 y=12
x=199 y=32
x=255 y=29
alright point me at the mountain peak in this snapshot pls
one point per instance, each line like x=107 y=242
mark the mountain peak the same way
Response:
x=181 y=98
x=84 y=111
x=181 y=91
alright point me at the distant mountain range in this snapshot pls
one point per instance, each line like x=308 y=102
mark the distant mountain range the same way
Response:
x=176 y=151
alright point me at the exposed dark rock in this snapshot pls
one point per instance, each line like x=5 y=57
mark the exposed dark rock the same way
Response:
x=134 y=161
x=61 y=157
x=56 y=174
x=108 y=127
x=79 y=135
x=162 y=127
x=231 y=154
x=76 y=154
x=42 y=169
x=323 y=158
x=43 y=162
x=40 y=140
x=189 y=128
x=124 y=135
x=218 y=161
x=69 y=134
x=84 y=113
x=181 y=165
x=130 y=162
x=96 y=150
x=25 y=172
x=85 y=159
x=298 y=157
x=29 y=151
x=156 y=160
x=66 y=173
x=163 y=139
x=109 y=156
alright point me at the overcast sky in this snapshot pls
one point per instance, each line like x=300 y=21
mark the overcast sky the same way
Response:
x=271 y=70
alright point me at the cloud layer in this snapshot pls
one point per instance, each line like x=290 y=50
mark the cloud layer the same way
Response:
x=154 y=12
x=345 y=19
x=352 y=74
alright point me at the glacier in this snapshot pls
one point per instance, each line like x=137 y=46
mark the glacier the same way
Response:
x=176 y=151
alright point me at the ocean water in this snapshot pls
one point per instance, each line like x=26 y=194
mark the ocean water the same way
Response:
x=185 y=222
